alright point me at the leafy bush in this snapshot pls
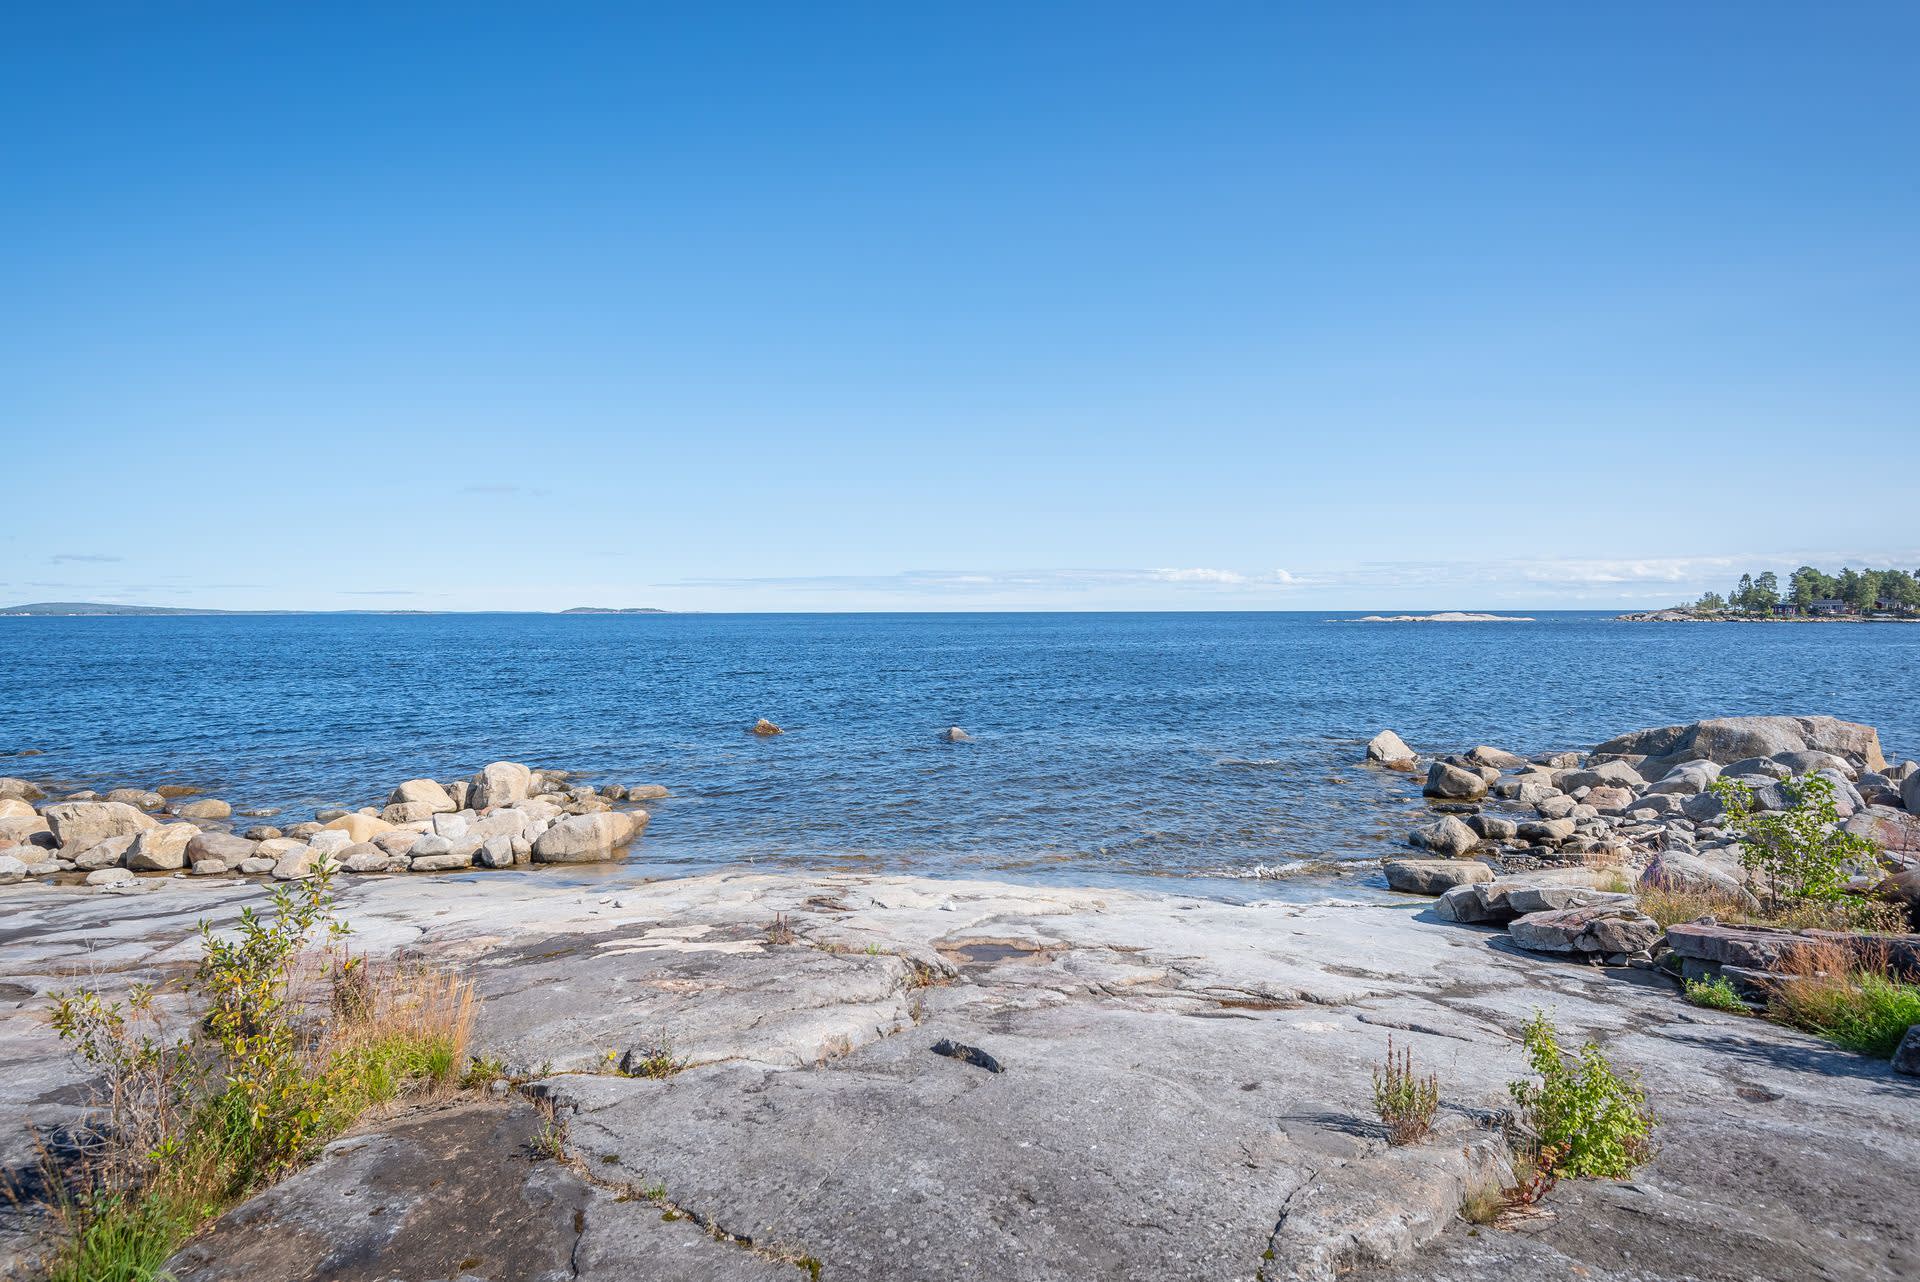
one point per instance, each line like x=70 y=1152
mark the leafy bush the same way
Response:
x=1587 y=1119
x=1852 y=1000
x=1715 y=993
x=1800 y=853
x=1405 y=1102
x=289 y=1043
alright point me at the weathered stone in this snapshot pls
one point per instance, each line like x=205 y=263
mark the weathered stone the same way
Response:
x=954 y=734
x=1493 y=827
x=1453 y=783
x=428 y=791
x=357 y=827
x=1487 y=903
x=1906 y=1058
x=1594 y=929
x=587 y=838
x=1729 y=739
x=11 y=870
x=109 y=877
x=1445 y=835
x=296 y=864
x=461 y=857
x=110 y=853
x=500 y=784
x=1681 y=871
x=646 y=792
x=220 y=845
x=1602 y=774
x=257 y=865
x=78 y=825
x=407 y=812
x=1557 y=806
x=1754 y=947
x=14 y=808
x=138 y=798
x=1542 y=899
x=162 y=848
x=1433 y=876
x=205 y=808
x=364 y=857
x=210 y=868
x=1546 y=829
x=1812 y=761
x=1609 y=798
x=764 y=727
x=495 y=852
x=1389 y=749
x=20 y=789
x=1686 y=780
x=1498 y=758
x=1894 y=831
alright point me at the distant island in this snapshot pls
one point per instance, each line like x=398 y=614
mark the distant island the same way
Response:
x=1445 y=616
x=609 y=609
x=1851 y=596
x=97 y=607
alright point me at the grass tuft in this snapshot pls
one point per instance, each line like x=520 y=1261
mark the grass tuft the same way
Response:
x=1848 y=996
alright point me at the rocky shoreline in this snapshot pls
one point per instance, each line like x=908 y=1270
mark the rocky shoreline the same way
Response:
x=505 y=814
x=877 y=1078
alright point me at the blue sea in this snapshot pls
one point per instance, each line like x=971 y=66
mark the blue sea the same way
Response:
x=1106 y=747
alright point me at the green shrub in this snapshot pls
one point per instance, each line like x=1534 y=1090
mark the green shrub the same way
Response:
x=1405 y=1102
x=1715 y=993
x=1586 y=1118
x=268 y=1072
x=1797 y=854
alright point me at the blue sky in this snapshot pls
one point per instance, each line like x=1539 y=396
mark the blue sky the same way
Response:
x=954 y=307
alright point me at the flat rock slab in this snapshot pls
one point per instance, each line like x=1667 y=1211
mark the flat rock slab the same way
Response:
x=460 y=1191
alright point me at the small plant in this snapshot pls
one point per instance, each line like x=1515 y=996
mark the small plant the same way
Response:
x=1855 y=1001
x=1404 y=1101
x=1715 y=994
x=1797 y=854
x=550 y=1139
x=657 y=1062
x=1483 y=1205
x=483 y=1072
x=779 y=932
x=1590 y=1118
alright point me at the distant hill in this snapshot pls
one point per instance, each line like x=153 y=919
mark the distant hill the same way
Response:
x=97 y=607
x=606 y=609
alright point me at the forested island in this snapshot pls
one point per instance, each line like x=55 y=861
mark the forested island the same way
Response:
x=1810 y=593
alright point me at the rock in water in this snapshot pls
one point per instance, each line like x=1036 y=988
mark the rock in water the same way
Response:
x=588 y=838
x=1445 y=835
x=207 y=808
x=422 y=791
x=1389 y=749
x=1453 y=783
x=954 y=734
x=764 y=726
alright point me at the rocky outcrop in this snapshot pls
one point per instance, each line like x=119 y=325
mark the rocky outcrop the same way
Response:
x=1607 y=929
x=1728 y=739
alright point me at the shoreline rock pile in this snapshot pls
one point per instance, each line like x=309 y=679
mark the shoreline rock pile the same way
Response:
x=1556 y=841
x=505 y=814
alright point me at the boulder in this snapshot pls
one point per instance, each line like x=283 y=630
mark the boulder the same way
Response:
x=211 y=868
x=1548 y=898
x=1453 y=783
x=20 y=789
x=954 y=734
x=11 y=870
x=1389 y=749
x=357 y=827
x=255 y=866
x=495 y=852
x=1494 y=827
x=1703 y=808
x=399 y=841
x=296 y=864
x=1434 y=876
x=1486 y=903
x=1678 y=870
x=14 y=808
x=1728 y=739
x=1751 y=947
x=1910 y=792
x=1604 y=929
x=138 y=798
x=1812 y=761
x=205 y=808
x=162 y=848
x=646 y=792
x=1906 y=1057
x=1445 y=835
x=1605 y=774
x=364 y=857
x=1498 y=758
x=260 y=832
x=1557 y=806
x=1897 y=832
x=109 y=877
x=446 y=860
x=220 y=845
x=78 y=825
x=419 y=791
x=764 y=727
x=1610 y=798
x=110 y=853
x=588 y=838
x=500 y=784
x=1547 y=829
x=1686 y=780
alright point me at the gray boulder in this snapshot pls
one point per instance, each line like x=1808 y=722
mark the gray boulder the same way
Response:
x=495 y=852
x=1546 y=899
x=1604 y=774
x=1678 y=870
x=1445 y=835
x=1686 y=780
x=1389 y=749
x=1486 y=903
x=1906 y=1059
x=1453 y=783
x=11 y=870
x=1603 y=929
x=110 y=853
x=418 y=791
x=205 y=808
x=500 y=784
x=138 y=798
x=110 y=877
x=1728 y=739
x=20 y=789
x=1434 y=876
x=1493 y=827
x=1498 y=758
x=220 y=845
x=1547 y=829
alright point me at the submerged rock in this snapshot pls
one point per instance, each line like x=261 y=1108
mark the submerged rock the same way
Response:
x=1389 y=749
x=588 y=838
x=1454 y=783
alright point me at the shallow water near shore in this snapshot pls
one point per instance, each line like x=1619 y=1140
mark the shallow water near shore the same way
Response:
x=1192 y=750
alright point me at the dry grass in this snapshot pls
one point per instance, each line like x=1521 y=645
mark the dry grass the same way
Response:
x=1670 y=906
x=1848 y=995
